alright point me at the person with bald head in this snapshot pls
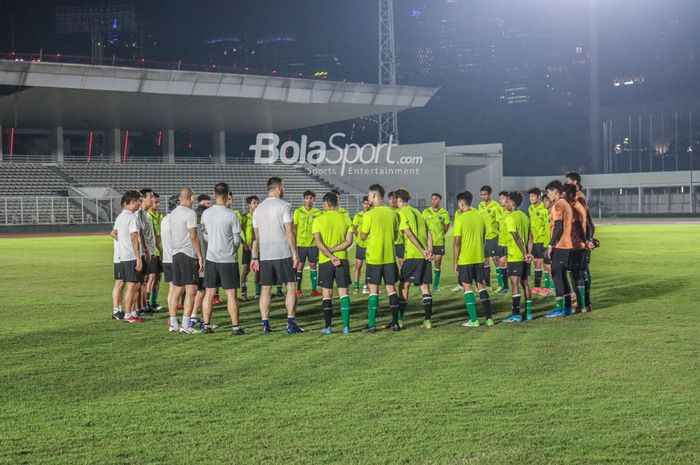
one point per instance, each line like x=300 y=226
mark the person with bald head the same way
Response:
x=188 y=262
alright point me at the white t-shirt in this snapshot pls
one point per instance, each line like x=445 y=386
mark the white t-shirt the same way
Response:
x=116 y=251
x=165 y=240
x=182 y=219
x=223 y=234
x=269 y=218
x=125 y=224
x=149 y=234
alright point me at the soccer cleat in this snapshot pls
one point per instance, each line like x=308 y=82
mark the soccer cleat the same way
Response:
x=217 y=300
x=346 y=329
x=513 y=319
x=265 y=330
x=503 y=290
x=400 y=322
x=279 y=294
x=243 y=298
x=314 y=293
x=299 y=293
x=489 y=322
x=190 y=330
x=568 y=311
x=237 y=332
x=327 y=330
x=207 y=330
x=537 y=290
x=158 y=308
x=529 y=317
x=118 y=315
x=586 y=309
x=395 y=327
x=133 y=319
x=436 y=288
x=555 y=314
x=471 y=324
x=370 y=329
x=427 y=324
x=173 y=329
x=294 y=328
x=458 y=287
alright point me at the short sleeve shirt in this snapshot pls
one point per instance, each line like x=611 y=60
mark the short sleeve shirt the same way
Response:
x=357 y=222
x=269 y=219
x=165 y=240
x=223 y=233
x=126 y=224
x=303 y=220
x=380 y=224
x=182 y=219
x=517 y=222
x=333 y=228
x=470 y=227
x=437 y=220
x=410 y=218
x=491 y=211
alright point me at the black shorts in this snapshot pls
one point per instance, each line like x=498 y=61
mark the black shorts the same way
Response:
x=538 y=250
x=417 y=271
x=398 y=249
x=154 y=265
x=577 y=260
x=200 y=284
x=223 y=275
x=276 y=272
x=117 y=272
x=502 y=251
x=129 y=273
x=520 y=269
x=246 y=256
x=168 y=272
x=388 y=272
x=185 y=270
x=360 y=253
x=491 y=247
x=560 y=259
x=470 y=273
x=310 y=253
x=439 y=250
x=328 y=274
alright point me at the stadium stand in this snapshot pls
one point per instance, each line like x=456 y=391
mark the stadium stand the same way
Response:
x=30 y=179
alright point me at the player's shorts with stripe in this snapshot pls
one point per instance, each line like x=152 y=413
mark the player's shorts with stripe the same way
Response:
x=360 y=253
x=538 y=250
x=560 y=259
x=329 y=274
x=471 y=273
x=117 y=272
x=246 y=256
x=577 y=260
x=185 y=270
x=417 y=271
x=439 y=250
x=129 y=273
x=520 y=269
x=491 y=248
x=224 y=275
x=154 y=265
x=276 y=272
x=399 y=249
x=387 y=272
x=168 y=272
x=310 y=253
x=502 y=251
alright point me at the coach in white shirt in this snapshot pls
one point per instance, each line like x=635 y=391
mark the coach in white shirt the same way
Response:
x=222 y=230
x=187 y=260
x=274 y=253
x=126 y=233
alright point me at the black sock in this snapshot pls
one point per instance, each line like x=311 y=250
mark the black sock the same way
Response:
x=504 y=273
x=428 y=306
x=327 y=312
x=487 y=275
x=587 y=291
x=300 y=276
x=567 y=300
x=486 y=302
x=394 y=305
x=538 y=278
x=516 y=304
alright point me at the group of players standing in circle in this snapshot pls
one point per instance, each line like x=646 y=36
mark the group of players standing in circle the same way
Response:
x=195 y=249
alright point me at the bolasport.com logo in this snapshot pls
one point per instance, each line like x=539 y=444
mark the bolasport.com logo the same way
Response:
x=339 y=160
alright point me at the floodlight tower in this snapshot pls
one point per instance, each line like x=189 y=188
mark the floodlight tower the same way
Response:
x=388 y=122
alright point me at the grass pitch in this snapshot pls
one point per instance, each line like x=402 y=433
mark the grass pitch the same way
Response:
x=619 y=385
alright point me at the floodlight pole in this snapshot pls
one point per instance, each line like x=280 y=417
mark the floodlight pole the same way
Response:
x=594 y=92
x=388 y=122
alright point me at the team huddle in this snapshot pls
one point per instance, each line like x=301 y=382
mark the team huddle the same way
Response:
x=195 y=249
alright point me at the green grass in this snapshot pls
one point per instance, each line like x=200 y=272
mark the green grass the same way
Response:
x=619 y=385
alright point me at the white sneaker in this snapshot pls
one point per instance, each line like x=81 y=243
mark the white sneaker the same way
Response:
x=471 y=324
x=365 y=289
x=190 y=331
x=458 y=287
x=173 y=329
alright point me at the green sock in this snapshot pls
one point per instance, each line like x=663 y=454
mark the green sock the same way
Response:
x=257 y=288
x=528 y=307
x=470 y=303
x=436 y=278
x=546 y=280
x=314 y=279
x=560 y=303
x=345 y=310
x=182 y=299
x=155 y=297
x=357 y=285
x=402 y=308
x=500 y=278
x=372 y=304
x=279 y=289
x=149 y=298
x=581 y=296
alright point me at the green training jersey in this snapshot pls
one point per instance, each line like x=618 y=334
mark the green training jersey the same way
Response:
x=247 y=229
x=303 y=220
x=491 y=211
x=332 y=226
x=538 y=224
x=357 y=222
x=502 y=231
x=399 y=240
x=437 y=220
x=518 y=222
x=156 y=218
x=547 y=225
x=410 y=218
x=345 y=213
x=470 y=226
x=380 y=224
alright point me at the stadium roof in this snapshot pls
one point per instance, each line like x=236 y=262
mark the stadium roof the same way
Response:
x=76 y=96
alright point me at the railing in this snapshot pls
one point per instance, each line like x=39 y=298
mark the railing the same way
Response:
x=17 y=158
x=151 y=64
x=133 y=160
